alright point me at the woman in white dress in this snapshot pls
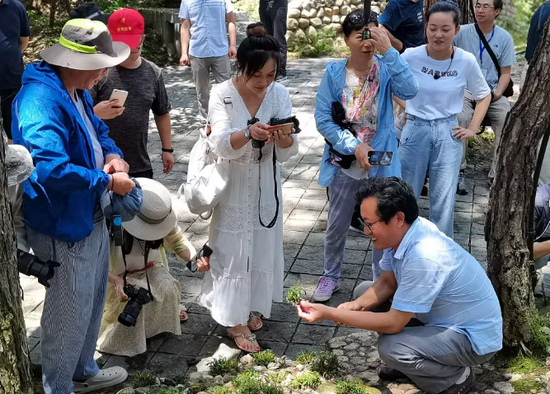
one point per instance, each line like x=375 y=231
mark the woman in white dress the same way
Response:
x=246 y=232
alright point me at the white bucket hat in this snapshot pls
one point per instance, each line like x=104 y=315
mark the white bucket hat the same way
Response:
x=156 y=218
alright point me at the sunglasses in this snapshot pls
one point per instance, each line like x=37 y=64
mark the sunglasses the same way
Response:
x=368 y=225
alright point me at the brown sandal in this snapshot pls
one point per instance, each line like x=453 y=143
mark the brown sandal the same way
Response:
x=254 y=319
x=250 y=338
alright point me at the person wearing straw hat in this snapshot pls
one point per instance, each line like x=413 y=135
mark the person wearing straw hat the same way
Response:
x=142 y=258
x=75 y=162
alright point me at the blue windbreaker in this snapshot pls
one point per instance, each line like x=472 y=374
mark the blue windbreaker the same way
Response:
x=396 y=78
x=62 y=193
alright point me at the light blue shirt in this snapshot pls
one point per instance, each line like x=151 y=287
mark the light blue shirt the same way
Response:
x=208 y=27
x=98 y=150
x=444 y=286
x=501 y=43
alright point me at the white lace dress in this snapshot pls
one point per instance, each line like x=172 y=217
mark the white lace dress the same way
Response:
x=247 y=266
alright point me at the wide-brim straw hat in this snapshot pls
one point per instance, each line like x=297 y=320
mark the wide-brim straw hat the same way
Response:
x=85 y=44
x=156 y=218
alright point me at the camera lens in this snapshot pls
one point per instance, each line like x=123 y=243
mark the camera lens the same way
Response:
x=129 y=315
x=30 y=265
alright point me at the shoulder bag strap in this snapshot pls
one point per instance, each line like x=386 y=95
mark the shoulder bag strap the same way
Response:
x=488 y=48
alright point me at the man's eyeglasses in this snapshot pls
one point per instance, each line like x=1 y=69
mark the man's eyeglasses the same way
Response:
x=368 y=225
x=484 y=6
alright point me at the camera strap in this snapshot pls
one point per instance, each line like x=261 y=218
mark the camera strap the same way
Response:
x=145 y=267
x=274 y=220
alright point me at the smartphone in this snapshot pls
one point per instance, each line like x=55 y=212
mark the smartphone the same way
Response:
x=119 y=95
x=285 y=127
x=380 y=158
x=206 y=251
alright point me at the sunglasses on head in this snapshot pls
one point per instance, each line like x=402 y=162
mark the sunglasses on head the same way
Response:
x=359 y=19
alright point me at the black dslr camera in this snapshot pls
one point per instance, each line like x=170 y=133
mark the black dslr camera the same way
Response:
x=275 y=122
x=137 y=297
x=31 y=265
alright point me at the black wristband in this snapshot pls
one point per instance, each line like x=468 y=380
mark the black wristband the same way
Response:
x=168 y=150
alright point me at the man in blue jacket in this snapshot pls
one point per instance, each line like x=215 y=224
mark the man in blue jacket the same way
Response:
x=75 y=162
x=536 y=29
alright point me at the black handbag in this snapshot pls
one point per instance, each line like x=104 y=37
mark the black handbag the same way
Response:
x=509 y=91
x=339 y=117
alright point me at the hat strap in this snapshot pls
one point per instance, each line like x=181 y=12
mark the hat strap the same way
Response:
x=152 y=221
x=73 y=46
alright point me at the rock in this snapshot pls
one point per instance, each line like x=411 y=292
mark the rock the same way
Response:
x=204 y=365
x=320 y=12
x=344 y=10
x=512 y=377
x=309 y=13
x=295 y=4
x=327 y=20
x=356 y=2
x=300 y=35
x=336 y=27
x=227 y=378
x=273 y=366
x=167 y=381
x=343 y=359
x=247 y=360
x=547 y=361
x=489 y=391
x=311 y=32
x=352 y=346
x=335 y=10
x=294 y=13
x=316 y=23
x=292 y=24
x=303 y=23
x=416 y=391
x=342 y=17
x=353 y=7
x=503 y=387
x=195 y=376
x=143 y=390
x=375 y=9
x=329 y=3
x=545 y=330
x=259 y=368
x=289 y=363
x=336 y=19
x=126 y=390
x=300 y=367
x=488 y=367
x=307 y=5
x=328 y=13
x=218 y=380
x=369 y=376
x=338 y=3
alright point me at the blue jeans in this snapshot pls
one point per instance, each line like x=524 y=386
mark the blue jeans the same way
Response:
x=342 y=204
x=430 y=144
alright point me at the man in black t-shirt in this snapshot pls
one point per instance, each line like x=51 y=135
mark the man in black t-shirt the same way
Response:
x=404 y=20
x=142 y=79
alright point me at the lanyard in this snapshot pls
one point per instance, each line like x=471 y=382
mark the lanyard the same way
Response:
x=482 y=47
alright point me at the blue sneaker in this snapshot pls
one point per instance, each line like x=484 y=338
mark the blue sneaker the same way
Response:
x=325 y=288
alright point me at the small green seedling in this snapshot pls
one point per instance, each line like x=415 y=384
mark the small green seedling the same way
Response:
x=144 y=379
x=308 y=380
x=294 y=295
x=264 y=358
x=327 y=365
x=306 y=357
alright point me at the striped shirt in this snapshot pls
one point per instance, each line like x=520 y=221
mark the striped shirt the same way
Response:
x=444 y=286
x=208 y=27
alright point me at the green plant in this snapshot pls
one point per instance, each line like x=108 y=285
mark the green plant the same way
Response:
x=271 y=388
x=181 y=378
x=539 y=341
x=345 y=387
x=198 y=387
x=326 y=364
x=523 y=365
x=324 y=43
x=294 y=295
x=248 y=6
x=144 y=379
x=277 y=377
x=306 y=357
x=219 y=390
x=171 y=390
x=243 y=378
x=307 y=380
x=264 y=358
x=224 y=366
x=526 y=386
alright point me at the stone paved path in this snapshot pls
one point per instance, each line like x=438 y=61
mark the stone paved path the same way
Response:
x=305 y=215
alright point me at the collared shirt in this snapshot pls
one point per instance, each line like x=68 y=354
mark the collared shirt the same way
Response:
x=208 y=26
x=14 y=23
x=501 y=43
x=444 y=286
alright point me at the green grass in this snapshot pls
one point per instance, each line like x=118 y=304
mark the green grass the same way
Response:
x=277 y=377
x=526 y=386
x=167 y=391
x=307 y=380
x=219 y=390
x=224 y=366
x=326 y=364
x=181 y=378
x=306 y=357
x=523 y=365
x=325 y=43
x=198 y=387
x=345 y=387
x=264 y=358
x=144 y=379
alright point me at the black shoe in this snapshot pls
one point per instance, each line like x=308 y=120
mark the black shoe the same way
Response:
x=464 y=387
x=390 y=374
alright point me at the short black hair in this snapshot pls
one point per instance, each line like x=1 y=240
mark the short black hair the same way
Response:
x=446 y=6
x=256 y=50
x=348 y=27
x=498 y=4
x=393 y=195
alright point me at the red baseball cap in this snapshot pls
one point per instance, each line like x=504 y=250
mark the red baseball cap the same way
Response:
x=127 y=26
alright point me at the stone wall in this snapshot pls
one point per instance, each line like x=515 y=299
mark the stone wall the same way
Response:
x=306 y=17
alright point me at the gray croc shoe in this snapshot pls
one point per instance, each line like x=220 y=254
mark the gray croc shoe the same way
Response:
x=105 y=378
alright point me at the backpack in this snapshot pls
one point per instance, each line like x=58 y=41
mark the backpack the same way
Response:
x=207 y=174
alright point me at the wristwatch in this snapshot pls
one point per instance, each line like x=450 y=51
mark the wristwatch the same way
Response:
x=168 y=150
x=247 y=132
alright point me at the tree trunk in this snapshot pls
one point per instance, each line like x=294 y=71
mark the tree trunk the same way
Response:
x=15 y=376
x=510 y=198
x=53 y=8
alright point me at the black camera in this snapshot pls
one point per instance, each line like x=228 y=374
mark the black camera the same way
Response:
x=137 y=297
x=31 y=265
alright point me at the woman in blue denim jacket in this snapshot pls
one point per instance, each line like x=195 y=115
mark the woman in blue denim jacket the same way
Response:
x=363 y=84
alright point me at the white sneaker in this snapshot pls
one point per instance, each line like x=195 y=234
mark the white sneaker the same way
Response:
x=105 y=378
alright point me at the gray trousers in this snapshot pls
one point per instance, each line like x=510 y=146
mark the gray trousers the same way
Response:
x=73 y=307
x=273 y=15
x=201 y=67
x=496 y=114
x=434 y=358
x=342 y=204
